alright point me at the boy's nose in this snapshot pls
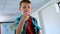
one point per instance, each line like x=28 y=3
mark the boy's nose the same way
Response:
x=26 y=7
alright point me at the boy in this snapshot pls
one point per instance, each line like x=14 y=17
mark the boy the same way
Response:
x=25 y=24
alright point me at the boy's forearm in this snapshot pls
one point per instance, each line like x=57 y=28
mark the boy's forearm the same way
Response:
x=39 y=32
x=20 y=26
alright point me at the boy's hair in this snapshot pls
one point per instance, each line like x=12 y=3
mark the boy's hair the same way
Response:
x=24 y=1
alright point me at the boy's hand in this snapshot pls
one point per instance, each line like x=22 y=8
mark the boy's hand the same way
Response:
x=25 y=16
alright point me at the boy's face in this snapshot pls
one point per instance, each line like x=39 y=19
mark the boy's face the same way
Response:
x=26 y=7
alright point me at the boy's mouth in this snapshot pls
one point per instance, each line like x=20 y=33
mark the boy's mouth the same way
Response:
x=26 y=11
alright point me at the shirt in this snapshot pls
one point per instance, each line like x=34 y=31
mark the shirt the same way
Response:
x=30 y=27
x=34 y=21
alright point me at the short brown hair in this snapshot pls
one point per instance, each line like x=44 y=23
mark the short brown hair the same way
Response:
x=24 y=1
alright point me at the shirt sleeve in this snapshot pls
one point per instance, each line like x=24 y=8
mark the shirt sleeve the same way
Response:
x=37 y=28
x=15 y=26
x=16 y=23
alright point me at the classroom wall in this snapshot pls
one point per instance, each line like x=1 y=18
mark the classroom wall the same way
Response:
x=50 y=19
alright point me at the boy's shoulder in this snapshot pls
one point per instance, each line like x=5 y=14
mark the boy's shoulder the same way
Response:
x=19 y=17
x=33 y=18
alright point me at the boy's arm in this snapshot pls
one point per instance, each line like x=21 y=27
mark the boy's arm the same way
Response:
x=39 y=32
x=21 y=24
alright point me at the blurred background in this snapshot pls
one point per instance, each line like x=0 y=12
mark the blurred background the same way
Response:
x=47 y=12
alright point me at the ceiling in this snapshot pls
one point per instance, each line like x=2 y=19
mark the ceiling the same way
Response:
x=56 y=1
x=9 y=8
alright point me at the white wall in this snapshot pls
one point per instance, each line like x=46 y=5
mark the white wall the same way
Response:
x=50 y=19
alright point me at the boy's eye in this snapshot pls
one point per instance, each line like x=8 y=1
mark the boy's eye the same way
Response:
x=24 y=7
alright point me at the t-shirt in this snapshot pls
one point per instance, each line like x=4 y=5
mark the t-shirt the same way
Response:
x=34 y=22
x=30 y=27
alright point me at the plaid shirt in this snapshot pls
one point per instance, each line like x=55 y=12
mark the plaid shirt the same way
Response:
x=34 y=21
